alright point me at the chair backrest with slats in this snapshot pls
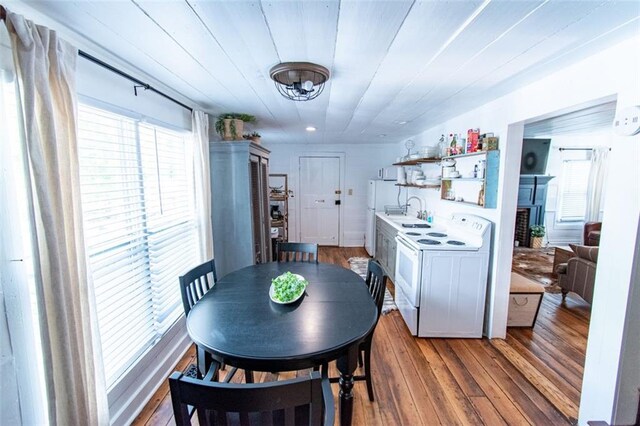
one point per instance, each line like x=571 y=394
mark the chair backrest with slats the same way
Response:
x=288 y=402
x=196 y=282
x=297 y=252
x=377 y=283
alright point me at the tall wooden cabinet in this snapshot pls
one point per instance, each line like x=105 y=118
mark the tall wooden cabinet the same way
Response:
x=239 y=205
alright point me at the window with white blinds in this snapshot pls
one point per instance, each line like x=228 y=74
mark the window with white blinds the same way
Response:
x=572 y=200
x=140 y=229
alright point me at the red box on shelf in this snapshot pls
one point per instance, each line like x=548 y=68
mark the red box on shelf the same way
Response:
x=473 y=135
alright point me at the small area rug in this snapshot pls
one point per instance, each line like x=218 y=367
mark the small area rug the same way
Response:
x=359 y=266
x=536 y=264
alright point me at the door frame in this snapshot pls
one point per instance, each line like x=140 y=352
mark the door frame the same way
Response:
x=342 y=168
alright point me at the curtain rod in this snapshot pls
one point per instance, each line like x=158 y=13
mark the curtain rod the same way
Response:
x=138 y=83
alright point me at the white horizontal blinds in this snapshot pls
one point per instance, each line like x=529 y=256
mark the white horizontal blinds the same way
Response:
x=114 y=219
x=139 y=229
x=171 y=225
x=573 y=190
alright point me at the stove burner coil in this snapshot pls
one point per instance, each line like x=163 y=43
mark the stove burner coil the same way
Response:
x=429 y=242
x=455 y=243
x=436 y=234
x=413 y=233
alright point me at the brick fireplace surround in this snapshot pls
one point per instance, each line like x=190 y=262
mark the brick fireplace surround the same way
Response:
x=522 y=226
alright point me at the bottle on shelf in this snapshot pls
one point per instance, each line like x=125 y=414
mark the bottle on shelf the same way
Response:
x=442 y=147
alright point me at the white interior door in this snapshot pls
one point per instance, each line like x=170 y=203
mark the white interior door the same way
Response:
x=319 y=200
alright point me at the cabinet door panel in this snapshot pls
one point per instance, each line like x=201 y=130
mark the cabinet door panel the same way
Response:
x=393 y=250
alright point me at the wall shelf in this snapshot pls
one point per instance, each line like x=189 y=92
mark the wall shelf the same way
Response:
x=465 y=179
x=410 y=185
x=279 y=201
x=483 y=191
x=417 y=161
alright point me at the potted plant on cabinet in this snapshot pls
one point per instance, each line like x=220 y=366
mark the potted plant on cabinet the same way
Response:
x=230 y=125
x=537 y=234
x=254 y=137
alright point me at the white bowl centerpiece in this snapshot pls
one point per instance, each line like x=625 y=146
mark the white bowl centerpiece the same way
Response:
x=287 y=288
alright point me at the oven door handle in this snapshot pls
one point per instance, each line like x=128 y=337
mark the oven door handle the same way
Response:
x=414 y=252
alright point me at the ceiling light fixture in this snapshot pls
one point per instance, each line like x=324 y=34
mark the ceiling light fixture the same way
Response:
x=310 y=129
x=299 y=81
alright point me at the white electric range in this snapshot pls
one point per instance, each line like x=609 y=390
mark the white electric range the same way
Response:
x=441 y=276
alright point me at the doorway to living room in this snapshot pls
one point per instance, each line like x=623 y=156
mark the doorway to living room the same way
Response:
x=562 y=179
x=559 y=207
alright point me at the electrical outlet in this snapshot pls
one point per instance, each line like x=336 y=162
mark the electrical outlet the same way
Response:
x=350 y=192
x=627 y=121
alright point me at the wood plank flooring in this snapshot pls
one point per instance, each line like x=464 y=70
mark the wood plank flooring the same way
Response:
x=534 y=376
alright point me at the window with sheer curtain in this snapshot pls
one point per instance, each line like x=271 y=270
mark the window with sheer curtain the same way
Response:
x=572 y=200
x=140 y=229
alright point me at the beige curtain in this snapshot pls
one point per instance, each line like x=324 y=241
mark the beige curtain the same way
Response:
x=202 y=180
x=74 y=380
x=595 y=185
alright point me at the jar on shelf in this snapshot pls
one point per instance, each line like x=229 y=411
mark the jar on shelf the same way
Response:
x=442 y=147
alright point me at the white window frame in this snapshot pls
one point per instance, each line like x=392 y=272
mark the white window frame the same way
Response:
x=582 y=156
x=130 y=391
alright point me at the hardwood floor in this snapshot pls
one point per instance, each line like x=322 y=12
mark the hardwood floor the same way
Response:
x=534 y=376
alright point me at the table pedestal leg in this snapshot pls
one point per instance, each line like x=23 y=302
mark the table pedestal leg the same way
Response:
x=347 y=365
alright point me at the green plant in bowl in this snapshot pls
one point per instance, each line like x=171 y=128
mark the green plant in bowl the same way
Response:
x=287 y=287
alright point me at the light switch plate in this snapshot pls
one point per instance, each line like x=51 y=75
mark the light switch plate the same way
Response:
x=627 y=121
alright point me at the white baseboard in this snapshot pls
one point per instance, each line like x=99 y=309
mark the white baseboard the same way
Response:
x=149 y=374
x=352 y=239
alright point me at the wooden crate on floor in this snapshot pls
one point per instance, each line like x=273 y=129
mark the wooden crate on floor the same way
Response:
x=525 y=298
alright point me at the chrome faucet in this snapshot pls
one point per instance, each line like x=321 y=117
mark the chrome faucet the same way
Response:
x=419 y=201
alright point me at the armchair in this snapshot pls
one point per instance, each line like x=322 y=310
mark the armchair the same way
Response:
x=591 y=233
x=579 y=273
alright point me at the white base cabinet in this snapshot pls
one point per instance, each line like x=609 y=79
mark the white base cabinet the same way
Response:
x=386 y=247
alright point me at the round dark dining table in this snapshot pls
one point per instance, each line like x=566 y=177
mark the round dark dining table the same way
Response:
x=238 y=324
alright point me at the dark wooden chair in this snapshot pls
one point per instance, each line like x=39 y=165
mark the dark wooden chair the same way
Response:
x=376 y=282
x=196 y=283
x=301 y=401
x=297 y=252
x=193 y=285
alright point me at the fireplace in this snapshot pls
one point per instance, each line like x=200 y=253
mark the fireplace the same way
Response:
x=532 y=197
x=522 y=227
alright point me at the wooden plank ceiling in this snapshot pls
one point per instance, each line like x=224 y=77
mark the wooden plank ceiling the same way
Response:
x=398 y=67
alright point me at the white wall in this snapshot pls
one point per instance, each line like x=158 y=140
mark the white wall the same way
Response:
x=361 y=164
x=611 y=73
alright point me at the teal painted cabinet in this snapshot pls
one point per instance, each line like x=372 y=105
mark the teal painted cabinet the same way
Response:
x=239 y=205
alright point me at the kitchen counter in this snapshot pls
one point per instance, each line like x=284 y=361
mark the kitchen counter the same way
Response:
x=397 y=220
x=387 y=228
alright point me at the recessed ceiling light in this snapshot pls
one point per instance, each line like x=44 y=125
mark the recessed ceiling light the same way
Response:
x=310 y=129
x=402 y=122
